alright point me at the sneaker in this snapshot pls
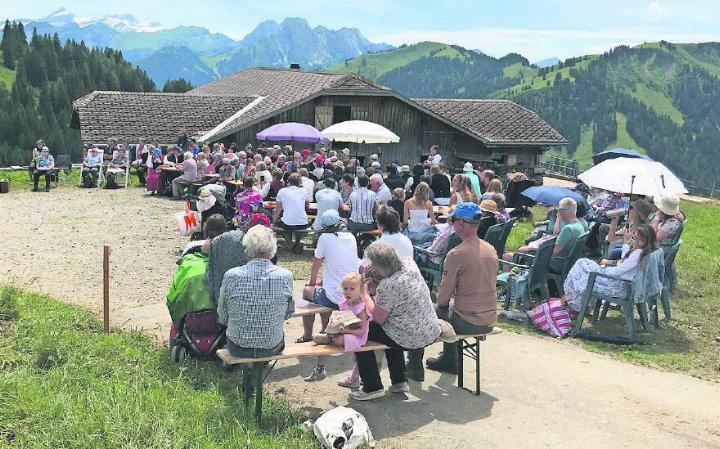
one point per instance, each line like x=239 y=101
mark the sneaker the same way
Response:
x=401 y=387
x=316 y=375
x=360 y=395
x=350 y=382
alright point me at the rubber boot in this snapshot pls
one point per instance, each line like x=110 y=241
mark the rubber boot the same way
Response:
x=415 y=369
x=447 y=361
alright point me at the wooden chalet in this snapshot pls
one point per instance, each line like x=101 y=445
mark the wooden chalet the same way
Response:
x=236 y=107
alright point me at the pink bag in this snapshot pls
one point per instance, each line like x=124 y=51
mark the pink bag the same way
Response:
x=552 y=316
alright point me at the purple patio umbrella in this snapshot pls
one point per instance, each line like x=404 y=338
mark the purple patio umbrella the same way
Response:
x=297 y=132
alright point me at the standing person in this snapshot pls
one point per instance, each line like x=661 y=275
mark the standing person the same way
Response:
x=403 y=319
x=91 y=167
x=290 y=212
x=362 y=206
x=440 y=185
x=336 y=253
x=474 y=180
x=469 y=275
x=182 y=140
x=327 y=199
x=189 y=175
x=153 y=176
x=44 y=166
x=434 y=157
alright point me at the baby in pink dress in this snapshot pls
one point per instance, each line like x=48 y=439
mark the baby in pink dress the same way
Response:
x=348 y=339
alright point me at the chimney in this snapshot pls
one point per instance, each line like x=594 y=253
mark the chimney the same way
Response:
x=294 y=66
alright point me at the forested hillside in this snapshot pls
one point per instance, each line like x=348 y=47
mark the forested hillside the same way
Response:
x=40 y=79
x=659 y=98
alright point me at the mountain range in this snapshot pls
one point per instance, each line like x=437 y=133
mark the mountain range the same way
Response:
x=659 y=98
x=198 y=55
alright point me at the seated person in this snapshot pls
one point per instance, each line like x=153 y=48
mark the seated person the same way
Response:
x=569 y=229
x=209 y=204
x=440 y=186
x=488 y=218
x=256 y=299
x=189 y=174
x=91 y=167
x=289 y=213
x=117 y=166
x=226 y=171
x=247 y=202
x=212 y=227
x=419 y=218
x=388 y=222
x=362 y=206
x=398 y=202
x=469 y=277
x=638 y=214
x=276 y=184
x=44 y=166
x=668 y=218
x=327 y=199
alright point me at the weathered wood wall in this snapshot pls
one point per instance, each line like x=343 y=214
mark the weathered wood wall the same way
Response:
x=417 y=130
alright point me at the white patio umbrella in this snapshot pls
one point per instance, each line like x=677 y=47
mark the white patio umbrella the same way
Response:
x=638 y=176
x=360 y=131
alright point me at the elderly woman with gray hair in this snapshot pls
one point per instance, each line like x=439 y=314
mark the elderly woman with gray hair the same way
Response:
x=403 y=319
x=256 y=299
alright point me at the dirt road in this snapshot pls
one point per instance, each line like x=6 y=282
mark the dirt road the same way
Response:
x=536 y=392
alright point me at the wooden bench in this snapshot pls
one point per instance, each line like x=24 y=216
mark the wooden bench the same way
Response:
x=254 y=375
x=310 y=309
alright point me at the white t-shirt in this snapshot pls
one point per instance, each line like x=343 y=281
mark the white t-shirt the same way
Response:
x=293 y=203
x=383 y=194
x=340 y=258
x=400 y=243
x=326 y=199
x=309 y=186
x=435 y=160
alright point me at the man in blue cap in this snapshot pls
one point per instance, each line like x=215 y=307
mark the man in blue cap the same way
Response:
x=469 y=274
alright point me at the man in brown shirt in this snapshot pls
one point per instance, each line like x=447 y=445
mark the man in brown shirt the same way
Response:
x=469 y=274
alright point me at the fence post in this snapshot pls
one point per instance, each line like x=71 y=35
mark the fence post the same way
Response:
x=106 y=289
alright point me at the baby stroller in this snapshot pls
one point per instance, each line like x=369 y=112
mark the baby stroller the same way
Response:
x=194 y=329
x=518 y=202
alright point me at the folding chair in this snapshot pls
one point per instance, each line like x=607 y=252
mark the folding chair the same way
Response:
x=536 y=275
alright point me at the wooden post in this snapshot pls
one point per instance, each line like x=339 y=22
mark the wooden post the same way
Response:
x=106 y=289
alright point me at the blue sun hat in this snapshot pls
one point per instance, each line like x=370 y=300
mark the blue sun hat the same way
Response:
x=466 y=212
x=330 y=218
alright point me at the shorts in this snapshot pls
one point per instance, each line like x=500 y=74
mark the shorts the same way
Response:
x=288 y=227
x=320 y=298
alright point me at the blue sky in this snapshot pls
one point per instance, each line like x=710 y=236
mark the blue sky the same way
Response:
x=536 y=29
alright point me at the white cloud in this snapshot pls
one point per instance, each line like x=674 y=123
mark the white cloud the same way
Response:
x=657 y=11
x=538 y=44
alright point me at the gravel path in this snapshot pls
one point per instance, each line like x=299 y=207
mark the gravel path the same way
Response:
x=536 y=392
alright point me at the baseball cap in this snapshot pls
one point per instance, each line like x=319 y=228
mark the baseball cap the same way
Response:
x=466 y=212
x=330 y=218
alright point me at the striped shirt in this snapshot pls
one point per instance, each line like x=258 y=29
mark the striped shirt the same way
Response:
x=362 y=202
x=255 y=300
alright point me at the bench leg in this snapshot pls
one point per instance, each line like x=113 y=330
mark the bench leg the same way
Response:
x=472 y=350
x=477 y=366
x=258 y=371
x=461 y=355
x=246 y=386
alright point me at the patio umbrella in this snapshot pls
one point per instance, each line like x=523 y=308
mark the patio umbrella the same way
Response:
x=551 y=195
x=618 y=153
x=360 y=131
x=297 y=132
x=639 y=176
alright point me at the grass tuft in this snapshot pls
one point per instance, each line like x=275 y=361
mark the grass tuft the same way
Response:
x=8 y=304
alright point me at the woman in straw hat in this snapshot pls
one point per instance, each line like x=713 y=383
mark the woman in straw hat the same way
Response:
x=668 y=219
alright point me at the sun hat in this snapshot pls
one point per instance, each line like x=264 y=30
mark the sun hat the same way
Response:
x=330 y=218
x=405 y=169
x=468 y=166
x=488 y=206
x=469 y=212
x=668 y=205
x=206 y=200
x=260 y=219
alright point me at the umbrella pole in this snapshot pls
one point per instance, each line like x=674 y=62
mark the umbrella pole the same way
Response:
x=627 y=210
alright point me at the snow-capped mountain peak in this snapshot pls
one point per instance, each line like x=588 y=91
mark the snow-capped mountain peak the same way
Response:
x=117 y=22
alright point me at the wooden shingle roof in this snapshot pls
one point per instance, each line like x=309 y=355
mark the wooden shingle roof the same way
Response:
x=155 y=117
x=279 y=90
x=495 y=121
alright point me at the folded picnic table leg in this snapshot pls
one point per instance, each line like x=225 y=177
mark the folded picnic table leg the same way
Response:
x=259 y=370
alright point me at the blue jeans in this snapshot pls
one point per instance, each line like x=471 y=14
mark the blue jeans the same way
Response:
x=320 y=298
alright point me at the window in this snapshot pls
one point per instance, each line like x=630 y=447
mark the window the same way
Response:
x=341 y=114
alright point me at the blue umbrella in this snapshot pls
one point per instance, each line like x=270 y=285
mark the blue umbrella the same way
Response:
x=616 y=153
x=551 y=195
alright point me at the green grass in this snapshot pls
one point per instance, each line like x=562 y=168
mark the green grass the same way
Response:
x=583 y=153
x=685 y=343
x=64 y=383
x=7 y=77
x=658 y=101
x=624 y=139
x=375 y=65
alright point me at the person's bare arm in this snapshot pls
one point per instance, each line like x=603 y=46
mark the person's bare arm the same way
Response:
x=380 y=314
x=406 y=213
x=316 y=264
x=277 y=211
x=363 y=326
x=557 y=249
x=431 y=213
x=448 y=284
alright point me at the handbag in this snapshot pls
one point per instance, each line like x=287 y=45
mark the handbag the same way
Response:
x=188 y=221
x=552 y=316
